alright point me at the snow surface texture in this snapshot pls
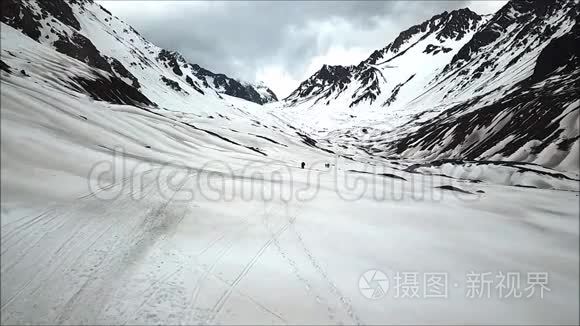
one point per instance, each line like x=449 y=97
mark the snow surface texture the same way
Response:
x=152 y=206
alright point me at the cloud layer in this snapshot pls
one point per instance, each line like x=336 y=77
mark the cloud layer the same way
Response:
x=278 y=42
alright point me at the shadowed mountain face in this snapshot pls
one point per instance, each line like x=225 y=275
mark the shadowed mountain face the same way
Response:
x=539 y=114
x=63 y=25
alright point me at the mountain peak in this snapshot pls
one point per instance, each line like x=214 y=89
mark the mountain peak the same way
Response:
x=465 y=10
x=439 y=35
x=457 y=23
x=448 y=25
x=519 y=17
x=335 y=76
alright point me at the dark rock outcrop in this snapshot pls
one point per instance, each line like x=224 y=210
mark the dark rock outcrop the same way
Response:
x=172 y=84
x=120 y=70
x=21 y=17
x=82 y=49
x=111 y=89
x=170 y=59
x=5 y=67
x=193 y=84
x=230 y=86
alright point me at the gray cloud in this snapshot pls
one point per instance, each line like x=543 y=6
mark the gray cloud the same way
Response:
x=249 y=39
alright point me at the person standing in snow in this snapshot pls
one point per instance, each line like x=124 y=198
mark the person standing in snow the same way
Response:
x=303 y=165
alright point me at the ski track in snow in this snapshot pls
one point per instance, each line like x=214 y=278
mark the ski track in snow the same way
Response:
x=95 y=261
x=116 y=251
x=229 y=243
x=218 y=306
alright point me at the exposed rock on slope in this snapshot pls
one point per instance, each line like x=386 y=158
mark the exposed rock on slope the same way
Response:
x=87 y=32
x=419 y=51
x=464 y=86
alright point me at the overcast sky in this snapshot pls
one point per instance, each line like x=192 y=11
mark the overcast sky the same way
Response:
x=278 y=42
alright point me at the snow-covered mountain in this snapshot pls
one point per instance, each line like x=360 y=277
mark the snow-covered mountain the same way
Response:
x=88 y=32
x=393 y=74
x=511 y=92
x=461 y=86
x=141 y=189
x=77 y=57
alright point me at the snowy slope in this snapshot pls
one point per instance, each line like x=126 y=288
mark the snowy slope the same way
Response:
x=140 y=248
x=393 y=74
x=176 y=236
x=130 y=199
x=506 y=89
x=519 y=98
x=88 y=32
x=239 y=127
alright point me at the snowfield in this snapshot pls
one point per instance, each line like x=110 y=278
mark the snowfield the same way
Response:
x=195 y=230
x=165 y=204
